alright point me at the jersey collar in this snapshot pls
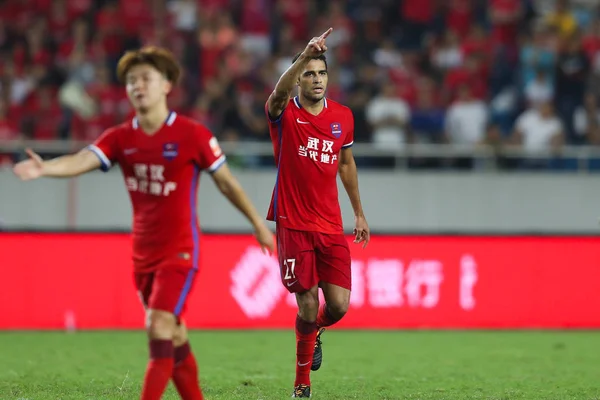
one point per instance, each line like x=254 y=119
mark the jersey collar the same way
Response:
x=298 y=105
x=170 y=119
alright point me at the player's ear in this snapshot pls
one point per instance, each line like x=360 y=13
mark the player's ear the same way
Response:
x=167 y=86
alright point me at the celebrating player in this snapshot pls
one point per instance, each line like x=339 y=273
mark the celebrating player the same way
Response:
x=161 y=155
x=312 y=138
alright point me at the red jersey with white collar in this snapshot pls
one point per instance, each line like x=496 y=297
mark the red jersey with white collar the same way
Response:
x=161 y=173
x=307 y=149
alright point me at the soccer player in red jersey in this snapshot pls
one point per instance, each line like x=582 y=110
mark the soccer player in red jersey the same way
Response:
x=312 y=139
x=161 y=155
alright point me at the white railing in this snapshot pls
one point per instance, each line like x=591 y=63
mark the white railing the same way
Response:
x=485 y=155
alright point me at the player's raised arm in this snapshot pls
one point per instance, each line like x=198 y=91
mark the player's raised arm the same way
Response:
x=283 y=90
x=60 y=167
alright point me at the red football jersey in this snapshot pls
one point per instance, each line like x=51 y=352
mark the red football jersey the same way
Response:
x=306 y=149
x=162 y=173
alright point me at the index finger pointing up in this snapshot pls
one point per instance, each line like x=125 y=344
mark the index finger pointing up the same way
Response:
x=326 y=33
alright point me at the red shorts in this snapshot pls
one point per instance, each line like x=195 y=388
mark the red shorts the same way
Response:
x=307 y=258
x=166 y=289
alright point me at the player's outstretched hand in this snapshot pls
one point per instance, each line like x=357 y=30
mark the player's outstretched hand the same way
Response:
x=362 y=234
x=31 y=168
x=317 y=45
x=264 y=236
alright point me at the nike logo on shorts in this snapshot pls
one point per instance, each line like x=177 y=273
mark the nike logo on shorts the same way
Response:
x=291 y=283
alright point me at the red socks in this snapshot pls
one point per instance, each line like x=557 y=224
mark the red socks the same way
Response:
x=166 y=363
x=306 y=334
x=159 y=369
x=185 y=374
x=324 y=317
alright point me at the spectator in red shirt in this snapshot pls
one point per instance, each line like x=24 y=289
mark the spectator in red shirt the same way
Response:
x=45 y=114
x=9 y=130
x=459 y=16
x=505 y=17
x=417 y=16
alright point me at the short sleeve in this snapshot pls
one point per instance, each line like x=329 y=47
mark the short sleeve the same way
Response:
x=209 y=155
x=106 y=149
x=273 y=120
x=349 y=138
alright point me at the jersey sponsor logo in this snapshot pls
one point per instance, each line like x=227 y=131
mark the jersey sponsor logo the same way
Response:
x=170 y=151
x=215 y=147
x=318 y=150
x=336 y=129
x=149 y=179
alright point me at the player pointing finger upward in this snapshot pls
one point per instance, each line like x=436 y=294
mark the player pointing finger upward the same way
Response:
x=312 y=141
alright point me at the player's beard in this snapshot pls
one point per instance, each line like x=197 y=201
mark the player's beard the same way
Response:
x=313 y=98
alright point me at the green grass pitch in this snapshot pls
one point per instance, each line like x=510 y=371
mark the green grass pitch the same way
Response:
x=245 y=365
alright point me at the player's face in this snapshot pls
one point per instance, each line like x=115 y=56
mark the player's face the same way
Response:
x=313 y=81
x=146 y=87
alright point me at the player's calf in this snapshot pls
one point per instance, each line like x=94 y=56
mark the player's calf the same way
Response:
x=306 y=333
x=337 y=301
x=185 y=372
x=160 y=327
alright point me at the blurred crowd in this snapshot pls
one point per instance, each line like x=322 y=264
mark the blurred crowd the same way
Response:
x=470 y=72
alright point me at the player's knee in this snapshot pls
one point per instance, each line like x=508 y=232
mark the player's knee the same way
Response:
x=338 y=309
x=180 y=335
x=160 y=324
x=308 y=305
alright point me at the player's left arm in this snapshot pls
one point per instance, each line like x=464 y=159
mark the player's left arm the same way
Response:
x=349 y=176
x=229 y=186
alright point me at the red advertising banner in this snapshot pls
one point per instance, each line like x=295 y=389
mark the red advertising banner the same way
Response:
x=52 y=281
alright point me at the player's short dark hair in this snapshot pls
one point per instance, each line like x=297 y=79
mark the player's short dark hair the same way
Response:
x=321 y=57
x=160 y=58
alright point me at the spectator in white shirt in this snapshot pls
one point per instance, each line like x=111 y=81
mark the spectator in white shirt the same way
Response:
x=185 y=14
x=539 y=130
x=389 y=117
x=466 y=124
x=587 y=121
x=467 y=119
x=539 y=90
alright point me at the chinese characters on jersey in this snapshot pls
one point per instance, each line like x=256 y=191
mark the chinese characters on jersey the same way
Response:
x=318 y=150
x=149 y=179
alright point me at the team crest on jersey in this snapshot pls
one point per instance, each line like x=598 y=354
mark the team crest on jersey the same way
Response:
x=336 y=129
x=170 y=150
